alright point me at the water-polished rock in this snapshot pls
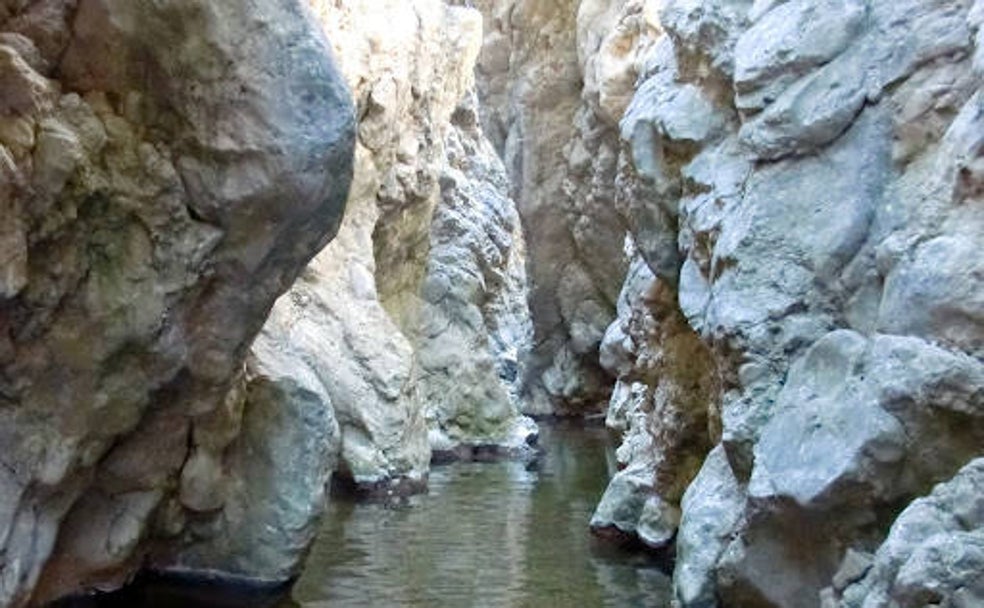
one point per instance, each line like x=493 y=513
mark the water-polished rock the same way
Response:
x=161 y=186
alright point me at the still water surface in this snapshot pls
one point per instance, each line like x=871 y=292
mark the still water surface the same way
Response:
x=486 y=535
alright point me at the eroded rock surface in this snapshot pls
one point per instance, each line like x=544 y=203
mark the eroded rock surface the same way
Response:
x=795 y=327
x=413 y=323
x=475 y=333
x=554 y=79
x=805 y=177
x=666 y=380
x=934 y=552
x=161 y=186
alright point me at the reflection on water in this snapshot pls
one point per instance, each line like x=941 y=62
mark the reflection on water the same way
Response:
x=486 y=535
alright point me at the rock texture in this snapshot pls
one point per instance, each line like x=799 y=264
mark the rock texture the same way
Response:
x=666 y=380
x=164 y=179
x=160 y=206
x=554 y=79
x=349 y=318
x=804 y=179
x=418 y=321
x=475 y=333
x=402 y=338
x=795 y=325
x=934 y=552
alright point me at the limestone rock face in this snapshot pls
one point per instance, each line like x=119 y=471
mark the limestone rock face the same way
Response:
x=269 y=485
x=666 y=379
x=475 y=331
x=547 y=67
x=934 y=552
x=413 y=322
x=160 y=186
x=356 y=346
x=804 y=178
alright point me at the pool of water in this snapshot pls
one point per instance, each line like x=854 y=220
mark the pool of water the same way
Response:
x=496 y=535
x=487 y=534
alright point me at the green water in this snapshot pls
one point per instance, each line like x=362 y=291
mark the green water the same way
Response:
x=486 y=535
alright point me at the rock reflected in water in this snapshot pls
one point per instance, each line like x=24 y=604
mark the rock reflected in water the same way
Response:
x=499 y=534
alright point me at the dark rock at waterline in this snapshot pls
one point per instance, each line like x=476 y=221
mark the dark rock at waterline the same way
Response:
x=529 y=452
x=346 y=487
x=173 y=590
x=610 y=540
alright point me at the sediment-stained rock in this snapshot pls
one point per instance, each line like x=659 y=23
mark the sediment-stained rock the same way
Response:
x=666 y=381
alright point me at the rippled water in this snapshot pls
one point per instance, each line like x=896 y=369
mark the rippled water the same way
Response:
x=485 y=535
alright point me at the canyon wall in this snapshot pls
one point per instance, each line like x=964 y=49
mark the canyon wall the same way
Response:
x=161 y=201
x=403 y=340
x=818 y=166
x=554 y=79
x=752 y=227
x=161 y=186
x=410 y=318
x=409 y=329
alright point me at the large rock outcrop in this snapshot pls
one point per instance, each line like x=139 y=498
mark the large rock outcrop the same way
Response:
x=806 y=178
x=163 y=178
x=349 y=318
x=554 y=79
x=795 y=326
x=934 y=552
x=410 y=328
x=402 y=338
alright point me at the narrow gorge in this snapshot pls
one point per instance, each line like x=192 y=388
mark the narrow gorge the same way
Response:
x=271 y=271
